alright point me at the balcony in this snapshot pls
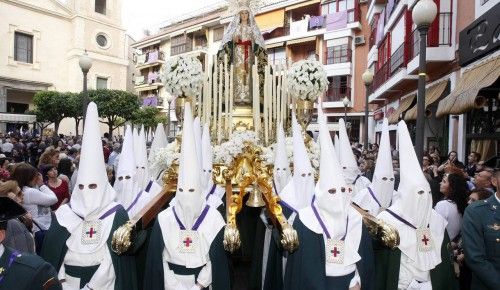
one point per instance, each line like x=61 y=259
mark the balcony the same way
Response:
x=147 y=83
x=152 y=101
x=439 y=43
x=149 y=59
x=337 y=94
x=337 y=60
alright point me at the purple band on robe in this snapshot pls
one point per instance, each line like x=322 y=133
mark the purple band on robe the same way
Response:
x=323 y=226
x=148 y=187
x=374 y=197
x=316 y=22
x=105 y=215
x=198 y=222
x=337 y=20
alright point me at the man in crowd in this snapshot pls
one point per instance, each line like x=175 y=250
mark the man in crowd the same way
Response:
x=481 y=239
x=472 y=161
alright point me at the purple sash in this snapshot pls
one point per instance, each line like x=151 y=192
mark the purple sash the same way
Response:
x=323 y=226
x=105 y=215
x=399 y=218
x=212 y=190
x=198 y=222
x=12 y=257
x=374 y=197
x=148 y=187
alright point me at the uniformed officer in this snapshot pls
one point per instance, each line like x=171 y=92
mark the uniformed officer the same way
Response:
x=481 y=239
x=18 y=270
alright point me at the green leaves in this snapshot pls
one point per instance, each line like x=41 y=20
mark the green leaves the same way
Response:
x=149 y=117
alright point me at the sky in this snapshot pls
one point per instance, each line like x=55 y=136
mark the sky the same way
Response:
x=149 y=14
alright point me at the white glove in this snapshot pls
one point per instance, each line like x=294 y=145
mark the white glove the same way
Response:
x=195 y=287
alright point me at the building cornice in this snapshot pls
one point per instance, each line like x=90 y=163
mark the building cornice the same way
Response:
x=38 y=9
x=98 y=21
x=25 y=82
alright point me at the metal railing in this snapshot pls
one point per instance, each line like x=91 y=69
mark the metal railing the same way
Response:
x=337 y=94
x=437 y=36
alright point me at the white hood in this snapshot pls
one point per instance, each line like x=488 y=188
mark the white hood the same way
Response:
x=347 y=159
x=332 y=197
x=299 y=191
x=125 y=183
x=383 y=178
x=159 y=141
x=197 y=139
x=207 y=159
x=142 y=161
x=281 y=170
x=337 y=145
x=189 y=200
x=85 y=201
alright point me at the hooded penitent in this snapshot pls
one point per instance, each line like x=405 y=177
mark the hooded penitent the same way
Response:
x=159 y=141
x=331 y=191
x=142 y=160
x=189 y=200
x=281 y=165
x=207 y=162
x=383 y=178
x=92 y=192
x=337 y=145
x=125 y=183
x=347 y=159
x=197 y=139
x=299 y=191
x=422 y=233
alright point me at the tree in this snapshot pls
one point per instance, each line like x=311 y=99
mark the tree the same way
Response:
x=51 y=107
x=75 y=109
x=113 y=106
x=149 y=117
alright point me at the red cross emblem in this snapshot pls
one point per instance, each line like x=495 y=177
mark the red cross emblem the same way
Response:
x=425 y=240
x=91 y=232
x=335 y=252
x=187 y=242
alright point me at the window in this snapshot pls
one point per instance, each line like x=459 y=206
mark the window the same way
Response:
x=338 y=88
x=338 y=54
x=100 y=6
x=276 y=55
x=218 y=33
x=101 y=83
x=23 y=47
x=101 y=40
x=180 y=44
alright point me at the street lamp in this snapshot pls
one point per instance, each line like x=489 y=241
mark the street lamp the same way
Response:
x=423 y=15
x=85 y=63
x=367 y=79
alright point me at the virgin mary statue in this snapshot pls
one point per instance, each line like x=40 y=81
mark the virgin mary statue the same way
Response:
x=242 y=43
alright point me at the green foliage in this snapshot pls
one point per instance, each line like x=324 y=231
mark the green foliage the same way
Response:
x=149 y=117
x=51 y=107
x=115 y=106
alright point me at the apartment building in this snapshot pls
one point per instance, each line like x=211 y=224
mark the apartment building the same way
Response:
x=42 y=41
x=330 y=31
x=393 y=57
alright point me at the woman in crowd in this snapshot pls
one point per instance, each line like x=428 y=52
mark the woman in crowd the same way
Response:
x=65 y=169
x=18 y=235
x=58 y=185
x=49 y=157
x=37 y=199
x=428 y=167
x=451 y=207
x=478 y=194
x=367 y=166
x=451 y=161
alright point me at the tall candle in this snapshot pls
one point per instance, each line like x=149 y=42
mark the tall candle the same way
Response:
x=219 y=121
x=266 y=106
x=226 y=98
x=208 y=102
x=215 y=95
x=231 y=99
x=256 y=100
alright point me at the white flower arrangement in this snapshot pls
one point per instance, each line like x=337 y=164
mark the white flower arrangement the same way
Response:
x=165 y=156
x=313 y=151
x=307 y=80
x=183 y=76
x=227 y=151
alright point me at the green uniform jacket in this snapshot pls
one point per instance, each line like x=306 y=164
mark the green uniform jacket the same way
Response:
x=54 y=250
x=154 y=275
x=481 y=242
x=388 y=261
x=305 y=268
x=27 y=272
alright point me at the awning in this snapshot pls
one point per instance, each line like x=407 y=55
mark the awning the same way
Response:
x=270 y=20
x=144 y=88
x=274 y=45
x=303 y=4
x=301 y=40
x=464 y=97
x=17 y=118
x=432 y=94
x=404 y=104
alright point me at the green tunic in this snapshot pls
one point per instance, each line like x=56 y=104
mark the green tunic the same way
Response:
x=26 y=272
x=54 y=250
x=388 y=261
x=481 y=240
x=154 y=276
x=305 y=268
